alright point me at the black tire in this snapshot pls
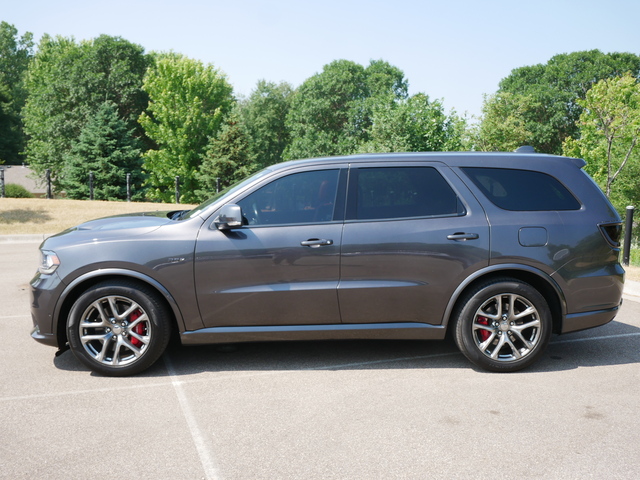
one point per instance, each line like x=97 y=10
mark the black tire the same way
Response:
x=502 y=325
x=118 y=328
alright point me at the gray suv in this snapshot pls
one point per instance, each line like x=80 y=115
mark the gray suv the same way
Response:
x=499 y=249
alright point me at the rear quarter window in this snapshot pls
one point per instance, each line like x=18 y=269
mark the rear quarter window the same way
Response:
x=522 y=190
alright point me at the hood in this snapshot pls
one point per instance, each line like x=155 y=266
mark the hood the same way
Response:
x=129 y=220
x=109 y=228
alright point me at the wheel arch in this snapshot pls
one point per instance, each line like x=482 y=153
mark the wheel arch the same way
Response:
x=79 y=285
x=539 y=280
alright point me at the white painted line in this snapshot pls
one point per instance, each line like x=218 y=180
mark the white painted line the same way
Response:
x=203 y=449
x=38 y=396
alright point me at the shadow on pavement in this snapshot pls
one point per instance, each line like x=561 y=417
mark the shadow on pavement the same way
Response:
x=613 y=344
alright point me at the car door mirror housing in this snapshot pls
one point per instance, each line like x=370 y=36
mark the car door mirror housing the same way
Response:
x=230 y=217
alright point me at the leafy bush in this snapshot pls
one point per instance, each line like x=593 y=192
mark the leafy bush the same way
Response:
x=13 y=190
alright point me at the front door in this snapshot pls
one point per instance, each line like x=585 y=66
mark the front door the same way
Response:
x=282 y=267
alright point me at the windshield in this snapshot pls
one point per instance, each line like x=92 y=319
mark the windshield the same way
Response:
x=230 y=190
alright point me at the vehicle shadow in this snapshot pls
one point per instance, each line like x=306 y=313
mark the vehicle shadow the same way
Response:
x=613 y=344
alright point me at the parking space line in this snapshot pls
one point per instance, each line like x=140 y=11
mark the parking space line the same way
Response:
x=203 y=449
x=37 y=396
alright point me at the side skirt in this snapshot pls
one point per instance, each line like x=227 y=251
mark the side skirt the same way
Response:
x=360 y=331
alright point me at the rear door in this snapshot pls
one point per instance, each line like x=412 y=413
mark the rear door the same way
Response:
x=412 y=234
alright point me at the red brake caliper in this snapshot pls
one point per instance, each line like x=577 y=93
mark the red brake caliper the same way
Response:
x=139 y=328
x=483 y=334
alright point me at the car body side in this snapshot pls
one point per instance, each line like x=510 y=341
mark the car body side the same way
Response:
x=220 y=287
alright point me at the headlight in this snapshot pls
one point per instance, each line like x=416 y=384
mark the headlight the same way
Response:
x=50 y=262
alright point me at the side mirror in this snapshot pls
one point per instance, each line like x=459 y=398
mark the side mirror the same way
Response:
x=230 y=217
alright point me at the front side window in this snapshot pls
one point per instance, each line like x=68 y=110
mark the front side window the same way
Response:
x=522 y=190
x=401 y=192
x=305 y=197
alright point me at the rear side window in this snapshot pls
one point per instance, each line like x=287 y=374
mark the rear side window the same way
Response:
x=401 y=192
x=522 y=190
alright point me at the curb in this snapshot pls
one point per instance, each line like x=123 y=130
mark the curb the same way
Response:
x=33 y=238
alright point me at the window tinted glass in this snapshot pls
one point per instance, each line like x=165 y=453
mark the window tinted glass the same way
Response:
x=306 y=197
x=522 y=190
x=403 y=192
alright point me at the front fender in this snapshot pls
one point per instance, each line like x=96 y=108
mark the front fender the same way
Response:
x=100 y=274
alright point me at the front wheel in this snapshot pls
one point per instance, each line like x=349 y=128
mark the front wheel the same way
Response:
x=503 y=325
x=118 y=328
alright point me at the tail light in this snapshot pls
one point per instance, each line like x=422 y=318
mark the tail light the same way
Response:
x=612 y=232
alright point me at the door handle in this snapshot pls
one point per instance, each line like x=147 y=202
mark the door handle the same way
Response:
x=462 y=236
x=316 y=242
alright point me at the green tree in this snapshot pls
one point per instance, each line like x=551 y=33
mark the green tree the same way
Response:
x=609 y=137
x=108 y=148
x=7 y=139
x=228 y=158
x=187 y=104
x=414 y=125
x=543 y=99
x=263 y=116
x=504 y=127
x=331 y=112
x=15 y=55
x=68 y=82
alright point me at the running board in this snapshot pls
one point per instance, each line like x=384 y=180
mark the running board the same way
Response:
x=359 y=331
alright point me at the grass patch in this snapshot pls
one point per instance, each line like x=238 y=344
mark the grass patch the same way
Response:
x=39 y=216
x=633 y=273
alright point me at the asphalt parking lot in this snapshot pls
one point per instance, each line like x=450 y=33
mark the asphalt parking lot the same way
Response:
x=334 y=410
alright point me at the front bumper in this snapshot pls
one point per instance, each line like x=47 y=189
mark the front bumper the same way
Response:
x=50 y=339
x=45 y=292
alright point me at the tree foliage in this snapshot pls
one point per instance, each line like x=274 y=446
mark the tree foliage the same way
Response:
x=543 y=100
x=504 y=127
x=15 y=55
x=416 y=124
x=609 y=137
x=68 y=82
x=108 y=148
x=187 y=104
x=228 y=158
x=70 y=99
x=263 y=118
x=332 y=111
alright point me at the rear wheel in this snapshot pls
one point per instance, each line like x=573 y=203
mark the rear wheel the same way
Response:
x=118 y=328
x=503 y=325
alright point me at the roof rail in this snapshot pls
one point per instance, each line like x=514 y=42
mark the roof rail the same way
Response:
x=526 y=149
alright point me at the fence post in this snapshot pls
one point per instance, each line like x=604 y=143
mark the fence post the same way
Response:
x=628 y=227
x=177 y=189
x=47 y=176
x=217 y=184
x=2 y=183
x=90 y=185
x=128 y=187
